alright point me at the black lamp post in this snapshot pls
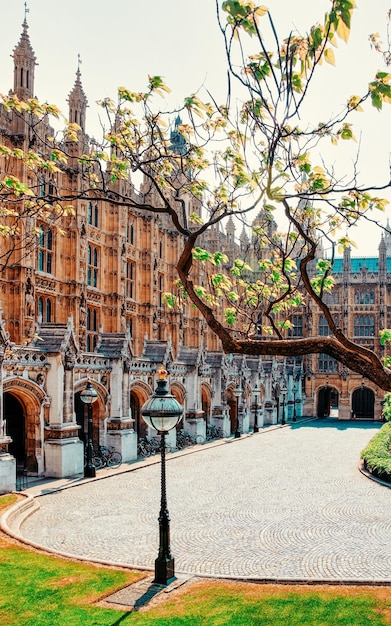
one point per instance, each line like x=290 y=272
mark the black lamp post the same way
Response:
x=294 y=402
x=237 y=394
x=283 y=393
x=88 y=396
x=256 y=427
x=163 y=412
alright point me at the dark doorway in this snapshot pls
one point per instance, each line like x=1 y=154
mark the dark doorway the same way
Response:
x=15 y=427
x=233 y=410
x=363 y=404
x=139 y=425
x=328 y=400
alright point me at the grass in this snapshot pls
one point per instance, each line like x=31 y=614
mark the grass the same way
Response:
x=41 y=590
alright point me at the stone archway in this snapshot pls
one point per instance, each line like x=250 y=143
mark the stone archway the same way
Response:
x=15 y=427
x=99 y=412
x=139 y=394
x=328 y=401
x=135 y=406
x=23 y=414
x=363 y=403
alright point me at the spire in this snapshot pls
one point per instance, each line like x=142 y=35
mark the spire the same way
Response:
x=77 y=100
x=24 y=63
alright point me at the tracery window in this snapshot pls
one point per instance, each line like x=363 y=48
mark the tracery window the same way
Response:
x=326 y=364
x=45 y=250
x=130 y=279
x=45 y=309
x=92 y=266
x=297 y=329
x=364 y=296
x=364 y=326
x=92 y=324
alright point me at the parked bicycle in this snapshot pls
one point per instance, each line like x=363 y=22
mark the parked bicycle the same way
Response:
x=214 y=432
x=185 y=439
x=106 y=456
x=149 y=446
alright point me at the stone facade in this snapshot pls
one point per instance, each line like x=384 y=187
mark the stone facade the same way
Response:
x=85 y=303
x=88 y=300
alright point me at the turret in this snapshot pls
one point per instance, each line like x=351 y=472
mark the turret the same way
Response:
x=78 y=103
x=24 y=66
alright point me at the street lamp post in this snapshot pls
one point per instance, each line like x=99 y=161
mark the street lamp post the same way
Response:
x=88 y=396
x=256 y=427
x=163 y=412
x=283 y=393
x=237 y=394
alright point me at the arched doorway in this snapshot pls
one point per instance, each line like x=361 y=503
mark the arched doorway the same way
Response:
x=15 y=426
x=328 y=401
x=363 y=403
x=135 y=406
x=206 y=403
x=233 y=409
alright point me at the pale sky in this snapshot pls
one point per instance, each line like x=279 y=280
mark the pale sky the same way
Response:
x=122 y=41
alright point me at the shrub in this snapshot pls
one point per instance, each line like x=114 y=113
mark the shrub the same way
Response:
x=376 y=455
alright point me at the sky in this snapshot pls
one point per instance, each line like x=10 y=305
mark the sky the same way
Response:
x=122 y=41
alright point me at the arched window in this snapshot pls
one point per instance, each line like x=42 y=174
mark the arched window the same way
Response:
x=45 y=309
x=96 y=216
x=92 y=266
x=160 y=289
x=364 y=296
x=48 y=315
x=130 y=279
x=45 y=250
x=92 y=329
x=130 y=234
x=326 y=364
x=297 y=329
x=93 y=215
x=364 y=326
x=40 y=308
x=324 y=329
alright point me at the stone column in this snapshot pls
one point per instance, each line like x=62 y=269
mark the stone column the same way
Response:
x=7 y=461
x=68 y=410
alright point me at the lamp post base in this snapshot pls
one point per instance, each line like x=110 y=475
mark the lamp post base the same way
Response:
x=90 y=472
x=256 y=429
x=164 y=571
x=237 y=434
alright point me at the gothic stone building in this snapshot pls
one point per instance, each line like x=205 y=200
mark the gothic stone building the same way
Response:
x=91 y=295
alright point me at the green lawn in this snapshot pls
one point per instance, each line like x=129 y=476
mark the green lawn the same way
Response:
x=40 y=590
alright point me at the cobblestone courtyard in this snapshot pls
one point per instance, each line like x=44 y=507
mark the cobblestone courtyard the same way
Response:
x=289 y=503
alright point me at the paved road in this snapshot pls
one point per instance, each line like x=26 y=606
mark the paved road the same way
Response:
x=288 y=503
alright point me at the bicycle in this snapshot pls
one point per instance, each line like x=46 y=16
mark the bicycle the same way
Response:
x=185 y=439
x=214 y=432
x=150 y=446
x=107 y=457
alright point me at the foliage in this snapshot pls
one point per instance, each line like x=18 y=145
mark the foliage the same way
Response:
x=387 y=407
x=220 y=161
x=376 y=455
